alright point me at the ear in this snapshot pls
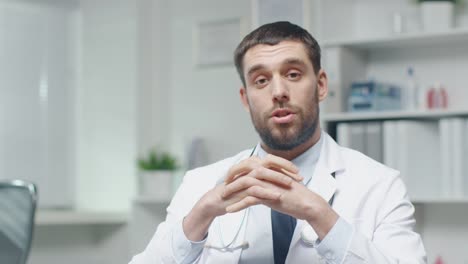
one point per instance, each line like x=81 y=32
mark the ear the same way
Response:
x=322 y=85
x=244 y=99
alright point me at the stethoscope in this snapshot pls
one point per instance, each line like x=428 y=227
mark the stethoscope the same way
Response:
x=227 y=247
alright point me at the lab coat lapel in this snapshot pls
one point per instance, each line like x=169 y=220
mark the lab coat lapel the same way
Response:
x=223 y=231
x=229 y=225
x=231 y=228
x=233 y=223
x=323 y=183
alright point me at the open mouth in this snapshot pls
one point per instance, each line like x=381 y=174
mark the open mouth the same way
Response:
x=283 y=116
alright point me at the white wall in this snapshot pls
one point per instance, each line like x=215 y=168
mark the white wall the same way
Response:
x=205 y=101
x=154 y=54
x=106 y=104
x=42 y=43
x=37 y=78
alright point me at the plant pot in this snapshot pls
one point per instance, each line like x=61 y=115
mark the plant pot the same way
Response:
x=437 y=16
x=157 y=184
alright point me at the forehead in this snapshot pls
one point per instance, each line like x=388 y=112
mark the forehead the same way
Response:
x=271 y=55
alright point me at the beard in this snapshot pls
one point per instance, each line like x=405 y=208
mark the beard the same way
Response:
x=288 y=136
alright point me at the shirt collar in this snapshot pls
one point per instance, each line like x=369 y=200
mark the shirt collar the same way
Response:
x=306 y=162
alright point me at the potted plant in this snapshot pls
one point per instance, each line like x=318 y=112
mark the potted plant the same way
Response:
x=157 y=173
x=437 y=15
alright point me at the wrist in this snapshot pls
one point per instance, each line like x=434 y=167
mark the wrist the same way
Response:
x=322 y=219
x=197 y=223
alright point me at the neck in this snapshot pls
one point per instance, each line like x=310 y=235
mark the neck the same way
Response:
x=295 y=152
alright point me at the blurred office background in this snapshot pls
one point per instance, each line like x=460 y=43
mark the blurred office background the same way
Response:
x=87 y=87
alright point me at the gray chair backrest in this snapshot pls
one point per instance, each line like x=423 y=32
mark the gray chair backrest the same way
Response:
x=17 y=210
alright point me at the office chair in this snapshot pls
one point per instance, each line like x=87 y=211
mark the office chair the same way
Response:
x=17 y=209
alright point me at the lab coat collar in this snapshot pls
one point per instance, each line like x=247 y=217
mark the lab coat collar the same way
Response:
x=330 y=162
x=323 y=183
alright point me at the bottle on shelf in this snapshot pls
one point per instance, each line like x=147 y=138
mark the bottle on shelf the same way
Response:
x=431 y=98
x=411 y=92
x=437 y=97
x=439 y=260
x=443 y=97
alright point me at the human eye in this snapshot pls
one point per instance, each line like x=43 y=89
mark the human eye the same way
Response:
x=260 y=81
x=293 y=75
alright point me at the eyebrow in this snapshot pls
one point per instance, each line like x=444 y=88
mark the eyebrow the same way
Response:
x=255 y=68
x=295 y=61
x=291 y=61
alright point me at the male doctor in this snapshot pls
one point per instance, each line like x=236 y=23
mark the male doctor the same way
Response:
x=297 y=197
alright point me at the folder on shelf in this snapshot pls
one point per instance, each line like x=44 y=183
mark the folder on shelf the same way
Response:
x=365 y=137
x=454 y=155
x=445 y=134
x=412 y=147
x=351 y=135
x=390 y=149
x=458 y=168
x=373 y=140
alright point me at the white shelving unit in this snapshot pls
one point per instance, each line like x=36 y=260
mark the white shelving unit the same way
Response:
x=69 y=217
x=441 y=201
x=70 y=236
x=394 y=115
x=417 y=39
x=352 y=54
x=150 y=200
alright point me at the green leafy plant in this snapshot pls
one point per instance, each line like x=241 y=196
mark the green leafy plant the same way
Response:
x=156 y=161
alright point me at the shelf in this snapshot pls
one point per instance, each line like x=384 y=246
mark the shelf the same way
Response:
x=418 y=39
x=396 y=115
x=440 y=201
x=151 y=200
x=69 y=217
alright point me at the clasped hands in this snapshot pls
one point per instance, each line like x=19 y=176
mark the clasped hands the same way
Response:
x=258 y=181
x=272 y=181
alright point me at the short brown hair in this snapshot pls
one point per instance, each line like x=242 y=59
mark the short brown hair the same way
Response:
x=272 y=34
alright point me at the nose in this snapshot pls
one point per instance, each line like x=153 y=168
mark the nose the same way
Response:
x=280 y=91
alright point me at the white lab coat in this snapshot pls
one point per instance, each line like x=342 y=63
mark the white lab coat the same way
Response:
x=368 y=195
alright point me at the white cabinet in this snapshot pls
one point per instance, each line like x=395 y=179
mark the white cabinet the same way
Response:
x=362 y=45
x=435 y=57
x=428 y=148
x=73 y=237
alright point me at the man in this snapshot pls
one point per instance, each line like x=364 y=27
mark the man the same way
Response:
x=297 y=197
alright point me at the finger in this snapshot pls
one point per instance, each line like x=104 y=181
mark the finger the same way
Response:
x=242 y=168
x=296 y=177
x=258 y=177
x=278 y=162
x=239 y=185
x=242 y=204
x=272 y=176
x=263 y=193
x=261 y=177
